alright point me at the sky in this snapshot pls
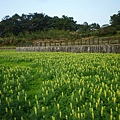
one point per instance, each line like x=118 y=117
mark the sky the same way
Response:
x=91 y=11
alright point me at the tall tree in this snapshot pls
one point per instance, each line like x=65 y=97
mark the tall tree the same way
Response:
x=16 y=24
x=68 y=23
x=115 y=20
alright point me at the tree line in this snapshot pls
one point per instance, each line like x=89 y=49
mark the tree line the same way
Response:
x=40 y=22
x=41 y=26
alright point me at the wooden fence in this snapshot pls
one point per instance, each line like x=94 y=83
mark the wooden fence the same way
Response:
x=95 y=41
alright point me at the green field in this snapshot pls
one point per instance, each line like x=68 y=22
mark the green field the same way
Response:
x=59 y=86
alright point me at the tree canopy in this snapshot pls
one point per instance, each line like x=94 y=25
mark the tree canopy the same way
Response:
x=40 y=22
x=35 y=22
x=115 y=20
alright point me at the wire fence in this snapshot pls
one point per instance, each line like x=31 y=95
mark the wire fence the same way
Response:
x=93 y=41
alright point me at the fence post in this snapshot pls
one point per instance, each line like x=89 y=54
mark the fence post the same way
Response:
x=93 y=41
x=81 y=41
x=60 y=43
x=101 y=41
x=54 y=43
x=108 y=41
x=73 y=42
x=40 y=43
x=118 y=40
x=98 y=41
x=49 y=43
x=66 y=43
x=89 y=41
x=84 y=42
x=45 y=43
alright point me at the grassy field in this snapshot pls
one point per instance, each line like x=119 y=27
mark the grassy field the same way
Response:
x=59 y=86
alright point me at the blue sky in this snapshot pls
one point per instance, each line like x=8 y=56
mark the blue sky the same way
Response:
x=98 y=11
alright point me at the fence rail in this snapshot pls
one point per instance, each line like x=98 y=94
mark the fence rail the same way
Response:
x=95 y=41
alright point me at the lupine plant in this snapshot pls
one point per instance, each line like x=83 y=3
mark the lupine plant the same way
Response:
x=59 y=86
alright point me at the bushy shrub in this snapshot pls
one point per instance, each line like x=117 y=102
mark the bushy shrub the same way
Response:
x=107 y=31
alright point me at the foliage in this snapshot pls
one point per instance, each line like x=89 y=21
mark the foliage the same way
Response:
x=107 y=31
x=115 y=20
x=59 y=86
x=35 y=22
x=38 y=26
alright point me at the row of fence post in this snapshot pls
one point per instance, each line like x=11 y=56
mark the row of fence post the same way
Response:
x=96 y=41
